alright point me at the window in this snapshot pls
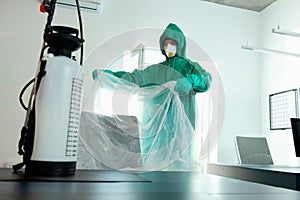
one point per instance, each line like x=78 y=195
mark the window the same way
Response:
x=283 y=106
x=138 y=58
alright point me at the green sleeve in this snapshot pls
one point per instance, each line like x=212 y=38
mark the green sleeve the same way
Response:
x=201 y=80
x=119 y=74
x=139 y=77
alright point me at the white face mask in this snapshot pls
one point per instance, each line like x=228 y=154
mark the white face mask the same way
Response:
x=171 y=50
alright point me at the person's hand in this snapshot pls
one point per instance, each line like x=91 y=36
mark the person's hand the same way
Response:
x=183 y=86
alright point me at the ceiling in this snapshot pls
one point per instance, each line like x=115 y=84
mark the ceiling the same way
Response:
x=255 y=5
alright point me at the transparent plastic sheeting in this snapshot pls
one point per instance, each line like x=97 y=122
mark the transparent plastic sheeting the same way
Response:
x=156 y=137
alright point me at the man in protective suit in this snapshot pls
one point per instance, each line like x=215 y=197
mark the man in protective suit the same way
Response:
x=190 y=77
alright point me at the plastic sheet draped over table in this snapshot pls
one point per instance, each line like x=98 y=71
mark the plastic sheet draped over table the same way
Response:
x=158 y=136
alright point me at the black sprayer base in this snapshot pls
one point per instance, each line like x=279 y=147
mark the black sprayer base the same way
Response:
x=50 y=169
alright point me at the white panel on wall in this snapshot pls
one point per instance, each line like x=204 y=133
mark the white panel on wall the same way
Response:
x=91 y=5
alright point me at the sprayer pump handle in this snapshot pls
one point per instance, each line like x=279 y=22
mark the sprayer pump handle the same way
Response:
x=65 y=30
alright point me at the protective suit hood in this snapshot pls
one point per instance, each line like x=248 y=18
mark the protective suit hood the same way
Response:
x=173 y=32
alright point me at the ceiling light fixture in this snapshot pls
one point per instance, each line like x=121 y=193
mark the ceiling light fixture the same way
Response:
x=264 y=50
x=284 y=32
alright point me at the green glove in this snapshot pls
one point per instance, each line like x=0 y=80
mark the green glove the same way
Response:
x=183 y=86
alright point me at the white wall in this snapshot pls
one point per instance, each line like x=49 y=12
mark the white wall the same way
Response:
x=219 y=30
x=279 y=73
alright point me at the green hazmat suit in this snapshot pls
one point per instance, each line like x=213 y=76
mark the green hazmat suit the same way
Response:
x=177 y=68
x=173 y=69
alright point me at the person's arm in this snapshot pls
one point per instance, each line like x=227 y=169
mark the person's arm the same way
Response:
x=139 y=77
x=196 y=79
x=200 y=79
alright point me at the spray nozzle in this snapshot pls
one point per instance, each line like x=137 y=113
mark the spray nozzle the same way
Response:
x=45 y=6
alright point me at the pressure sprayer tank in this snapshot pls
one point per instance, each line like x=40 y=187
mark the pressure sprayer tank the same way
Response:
x=57 y=110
